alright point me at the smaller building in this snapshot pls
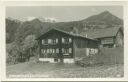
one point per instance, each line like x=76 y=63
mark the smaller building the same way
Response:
x=108 y=37
x=57 y=45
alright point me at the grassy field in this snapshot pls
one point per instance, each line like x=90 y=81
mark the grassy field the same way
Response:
x=63 y=70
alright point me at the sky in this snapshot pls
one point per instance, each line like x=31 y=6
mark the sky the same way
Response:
x=61 y=13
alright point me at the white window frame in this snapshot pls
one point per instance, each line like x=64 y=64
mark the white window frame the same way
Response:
x=70 y=50
x=49 y=41
x=63 y=40
x=56 y=40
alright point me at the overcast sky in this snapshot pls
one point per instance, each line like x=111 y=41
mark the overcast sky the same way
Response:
x=61 y=13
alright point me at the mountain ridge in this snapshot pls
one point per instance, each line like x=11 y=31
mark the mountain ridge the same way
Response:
x=102 y=20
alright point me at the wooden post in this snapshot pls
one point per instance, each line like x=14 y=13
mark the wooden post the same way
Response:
x=39 y=50
x=73 y=48
x=60 y=49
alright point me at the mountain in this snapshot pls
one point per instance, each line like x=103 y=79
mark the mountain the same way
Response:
x=52 y=20
x=104 y=18
x=19 y=30
x=12 y=19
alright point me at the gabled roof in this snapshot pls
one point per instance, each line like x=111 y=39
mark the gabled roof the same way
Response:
x=100 y=33
x=71 y=34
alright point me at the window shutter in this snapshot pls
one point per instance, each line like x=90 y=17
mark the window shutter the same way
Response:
x=56 y=40
x=53 y=50
x=57 y=50
x=62 y=40
x=62 y=50
x=49 y=41
x=47 y=50
x=44 y=50
x=42 y=41
x=70 y=40
x=70 y=50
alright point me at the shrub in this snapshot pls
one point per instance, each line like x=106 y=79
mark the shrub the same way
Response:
x=12 y=53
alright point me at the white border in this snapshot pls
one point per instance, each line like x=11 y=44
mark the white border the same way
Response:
x=3 y=5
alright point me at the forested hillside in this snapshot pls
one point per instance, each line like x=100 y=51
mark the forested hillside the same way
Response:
x=11 y=29
x=15 y=29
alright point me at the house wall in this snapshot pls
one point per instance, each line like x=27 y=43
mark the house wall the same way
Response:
x=107 y=42
x=51 y=56
x=83 y=47
x=119 y=39
x=113 y=41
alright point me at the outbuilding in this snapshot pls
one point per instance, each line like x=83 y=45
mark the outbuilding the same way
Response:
x=108 y=37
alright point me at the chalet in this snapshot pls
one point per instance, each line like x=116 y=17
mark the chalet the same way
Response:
x=108 y=37
x=56 y=45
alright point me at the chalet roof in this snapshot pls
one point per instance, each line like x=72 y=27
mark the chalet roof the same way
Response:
x=69 y=33
x=100 y=33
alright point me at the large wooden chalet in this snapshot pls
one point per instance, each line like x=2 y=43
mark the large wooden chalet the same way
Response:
x=57 y=45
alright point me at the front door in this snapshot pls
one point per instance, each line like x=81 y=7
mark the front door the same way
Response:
x=56 y=57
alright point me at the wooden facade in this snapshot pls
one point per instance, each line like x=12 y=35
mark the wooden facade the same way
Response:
x=108 y=37
x=60 y=46
x=112 y=41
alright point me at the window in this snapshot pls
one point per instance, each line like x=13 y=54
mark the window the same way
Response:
x=66 y=40
x=56 y=40
x=42 y=41
x=63 y=41
x=47 y=50
x=44 y=51
x=107 y=41
x=49 y=41
x=57 y=50
x=70 y=40
x=62 y=50
x=53 y=50
x=70 y=50
x=66 y=51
